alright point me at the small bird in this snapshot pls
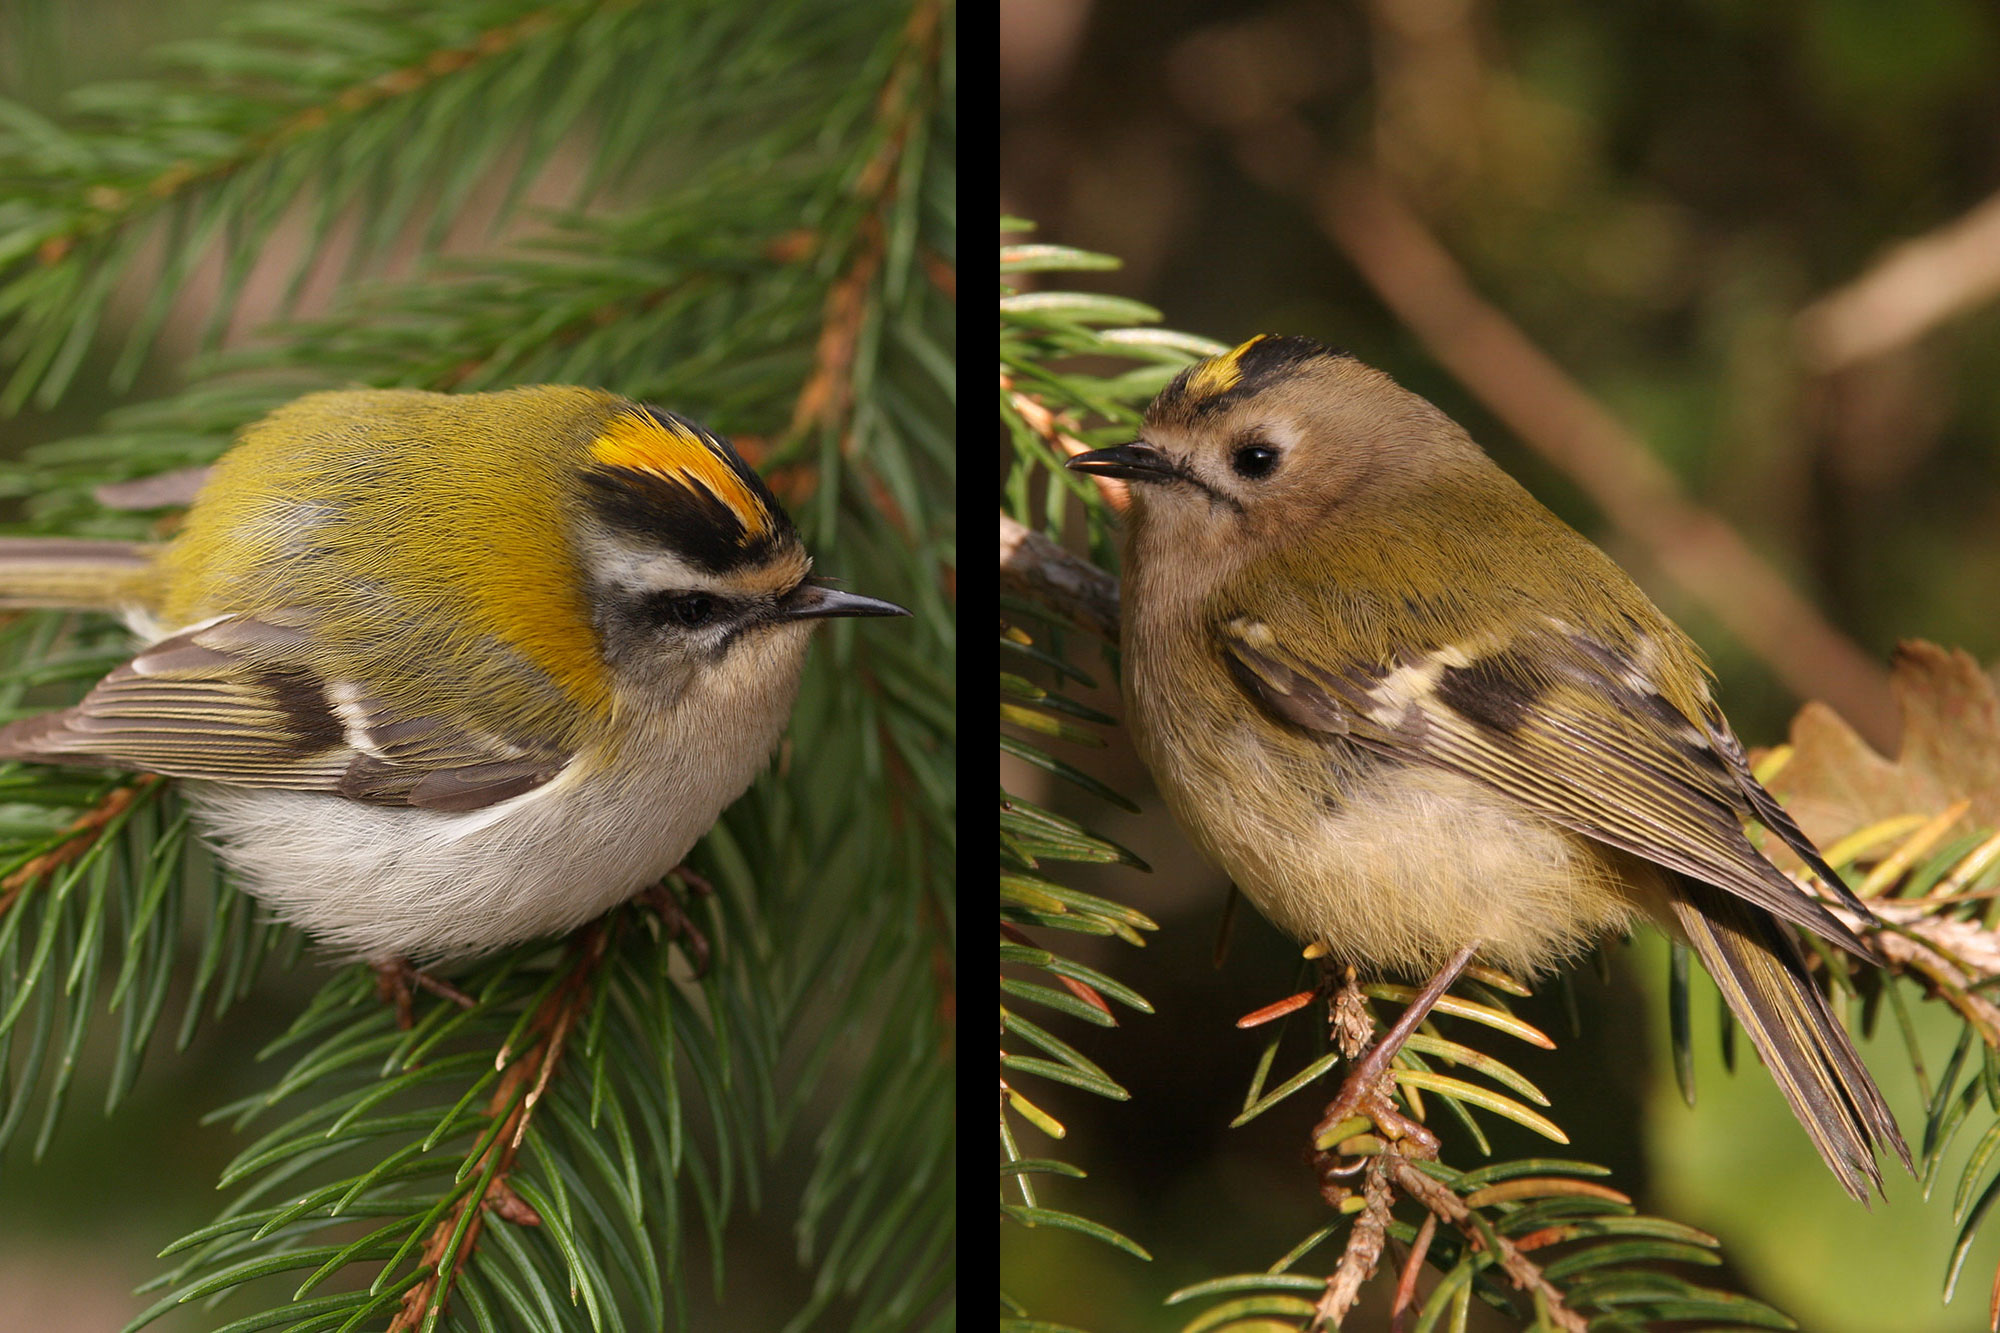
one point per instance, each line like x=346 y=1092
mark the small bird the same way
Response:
x=444 y=673
x=1418 y=719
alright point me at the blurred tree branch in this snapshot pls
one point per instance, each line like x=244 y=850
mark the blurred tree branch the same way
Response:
x=1071 y=586
x=1916 y=285
x=1420 y=282
x=1359 y=204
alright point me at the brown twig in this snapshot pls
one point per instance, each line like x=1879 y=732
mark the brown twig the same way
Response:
x=1387 y=1170
x=1351 y=1025
x=1033 y=565
x=552 y=1025
x=1362 y=212
x=1444 y=1204
x=79 y=838
x=1406 y=1280
x=908 y=95
x=1362 y=1253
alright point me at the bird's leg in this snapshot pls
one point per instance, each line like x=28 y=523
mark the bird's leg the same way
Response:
x=1368 y=1092
x=674 y=915
x=395 y=978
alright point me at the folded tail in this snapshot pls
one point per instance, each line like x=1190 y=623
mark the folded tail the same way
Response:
x=66 y=572
x=1758 y=965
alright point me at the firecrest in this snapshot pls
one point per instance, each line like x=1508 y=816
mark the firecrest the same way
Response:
x=1416 y=718
x=447 y=672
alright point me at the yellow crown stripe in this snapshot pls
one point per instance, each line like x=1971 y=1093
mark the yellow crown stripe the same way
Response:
x=671 y=451
x=1219 y=374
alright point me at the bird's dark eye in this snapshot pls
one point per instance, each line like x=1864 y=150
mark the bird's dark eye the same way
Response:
x=1254 y=460
x=690 y=610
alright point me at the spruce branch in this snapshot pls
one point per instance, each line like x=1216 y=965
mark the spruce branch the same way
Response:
x=455 y=1238
x=395 y=122
x=107 y=207
x=1036 y=908
x=1446 y=1205
x=906 y=103
x=78 y=838
x=283 y=105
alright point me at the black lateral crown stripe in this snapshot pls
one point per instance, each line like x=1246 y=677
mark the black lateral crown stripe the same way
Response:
x=689 y=519
x=726 y=451
x=1267 y=357
x=1275 y=353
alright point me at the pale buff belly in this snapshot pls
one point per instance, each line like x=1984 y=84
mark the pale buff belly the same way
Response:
x=1392 y=867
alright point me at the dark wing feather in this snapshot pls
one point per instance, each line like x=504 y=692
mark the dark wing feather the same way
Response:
x=1757 y=965
x=1531 y=720
x=238 y=701
x=1769 y=813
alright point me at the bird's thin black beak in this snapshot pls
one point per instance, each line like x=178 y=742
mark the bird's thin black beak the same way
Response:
x=1137 y=461
x=813 y=601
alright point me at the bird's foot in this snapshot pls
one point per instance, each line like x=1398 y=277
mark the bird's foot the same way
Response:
x=1343 y=1145
x=663 y=899
x=1367 y=1098
x=396 y=981
x=1356 y=1109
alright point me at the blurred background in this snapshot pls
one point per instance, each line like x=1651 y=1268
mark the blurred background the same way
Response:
x=1716 y=281
x=84 y=1216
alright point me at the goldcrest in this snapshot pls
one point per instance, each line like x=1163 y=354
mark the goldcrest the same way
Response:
x=448 y=672
x=1408 y=711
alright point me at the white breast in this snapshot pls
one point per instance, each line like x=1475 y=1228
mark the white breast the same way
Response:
x=381 y=882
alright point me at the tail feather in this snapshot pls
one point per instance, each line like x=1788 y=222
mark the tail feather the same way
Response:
x=1762 y=974
x=67 y=572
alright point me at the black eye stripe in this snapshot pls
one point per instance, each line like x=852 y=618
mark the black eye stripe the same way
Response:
x=692 y=611
x=687 y=520
x=686 y=610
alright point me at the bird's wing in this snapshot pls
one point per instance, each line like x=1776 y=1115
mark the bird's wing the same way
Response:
x=238 y=700
x=1531 y=720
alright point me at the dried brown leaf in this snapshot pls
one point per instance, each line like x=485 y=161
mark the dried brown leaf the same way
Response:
x=1837 y=783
